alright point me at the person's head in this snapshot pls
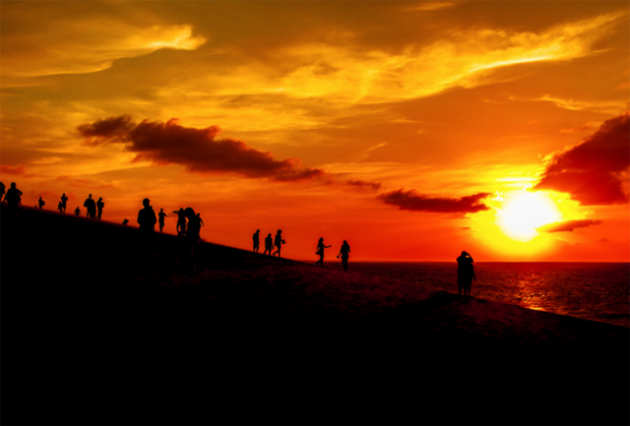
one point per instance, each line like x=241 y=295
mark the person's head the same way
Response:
x=145 y=202
x=464 y=253
x=162 y=210
x=13 y=185
x=90 y=196
x=345 y=243
x=258 y=231
x=321 y=240
x=63 y=195
x=100 y=198
x=269 y=234
x=279 y=231
x=190 y=213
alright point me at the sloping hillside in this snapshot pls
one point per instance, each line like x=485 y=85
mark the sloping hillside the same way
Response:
x=100 y=320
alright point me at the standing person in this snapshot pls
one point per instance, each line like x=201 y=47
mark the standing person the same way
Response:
x=2 y=191
x=41 y=202
x=181 y=221
x=256 y=239
x=465 y=273
x=100 y=204
x=59 y=207
x=161 y=215
x=13 y=198
x=146 y=217
x=90 y=206
x=63 y=202
x=320 y=252
x=278 y=241
x=125 y=222
x=343 y=252
x=268 y=244
x=192 y=234
x=77 y=211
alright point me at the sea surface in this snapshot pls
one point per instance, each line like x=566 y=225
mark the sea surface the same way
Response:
x=592 y=291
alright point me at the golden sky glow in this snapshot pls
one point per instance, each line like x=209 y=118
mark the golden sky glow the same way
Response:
x=410 y=129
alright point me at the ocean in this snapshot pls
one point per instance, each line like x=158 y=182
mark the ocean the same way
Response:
x=592 y=291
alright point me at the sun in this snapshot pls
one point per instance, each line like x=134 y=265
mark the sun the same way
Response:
x=523 y=211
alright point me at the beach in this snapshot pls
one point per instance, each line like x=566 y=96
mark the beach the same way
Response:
x=103 y=324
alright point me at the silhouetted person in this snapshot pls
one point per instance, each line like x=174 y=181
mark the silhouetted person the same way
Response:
x=146 y=217
x=125 y=222
x=59 y=207
x=256 y=240
x=200 y=219
x=181 y=221
x=100 y=204
x=64 y=201
x=465 y=273
x=90 y=205
x=268 y=244
x=13 y=199
x=320 y=252
x=41 y=202
x=77 y=211
x=192 y=233
x=161 y=216
x=2 y=192
x=343 y=252
x=278 y=241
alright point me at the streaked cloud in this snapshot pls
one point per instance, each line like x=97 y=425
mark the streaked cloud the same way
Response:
x=568 y=225
x=412 y=200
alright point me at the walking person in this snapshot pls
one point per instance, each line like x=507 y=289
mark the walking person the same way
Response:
x=63 y=202
x=344 y=252
x=278 y=241
x=90 y=206
x=192 y=235
x=256 y=240
x=100 y=204
x=161 y=216
x=268 y=244
x=13 y=199
x=146 y=217
x=181 y=221
x=465 y=273
x=41 y=202
x=320 y=252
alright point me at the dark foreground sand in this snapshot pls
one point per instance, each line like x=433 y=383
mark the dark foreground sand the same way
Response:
x=101 y=326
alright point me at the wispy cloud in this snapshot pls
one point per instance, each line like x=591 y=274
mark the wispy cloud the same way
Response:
x=568 y=225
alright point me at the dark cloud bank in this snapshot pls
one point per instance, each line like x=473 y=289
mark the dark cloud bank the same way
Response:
x=411 y=200
x=594 y=172
x=199 y=150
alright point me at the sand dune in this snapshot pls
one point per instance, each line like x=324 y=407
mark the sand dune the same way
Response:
x=102 y=325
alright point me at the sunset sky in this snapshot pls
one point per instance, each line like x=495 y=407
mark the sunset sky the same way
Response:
x=413 y=130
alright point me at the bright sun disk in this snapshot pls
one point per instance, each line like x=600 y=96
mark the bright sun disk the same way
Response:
x=523 y=212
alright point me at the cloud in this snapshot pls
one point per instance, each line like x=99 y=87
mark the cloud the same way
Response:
x=594 y=172
x=71 y=45
x=411 y=200
x=17 y=170
x=568 y=225
x=199 y=150
x=373 y=186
